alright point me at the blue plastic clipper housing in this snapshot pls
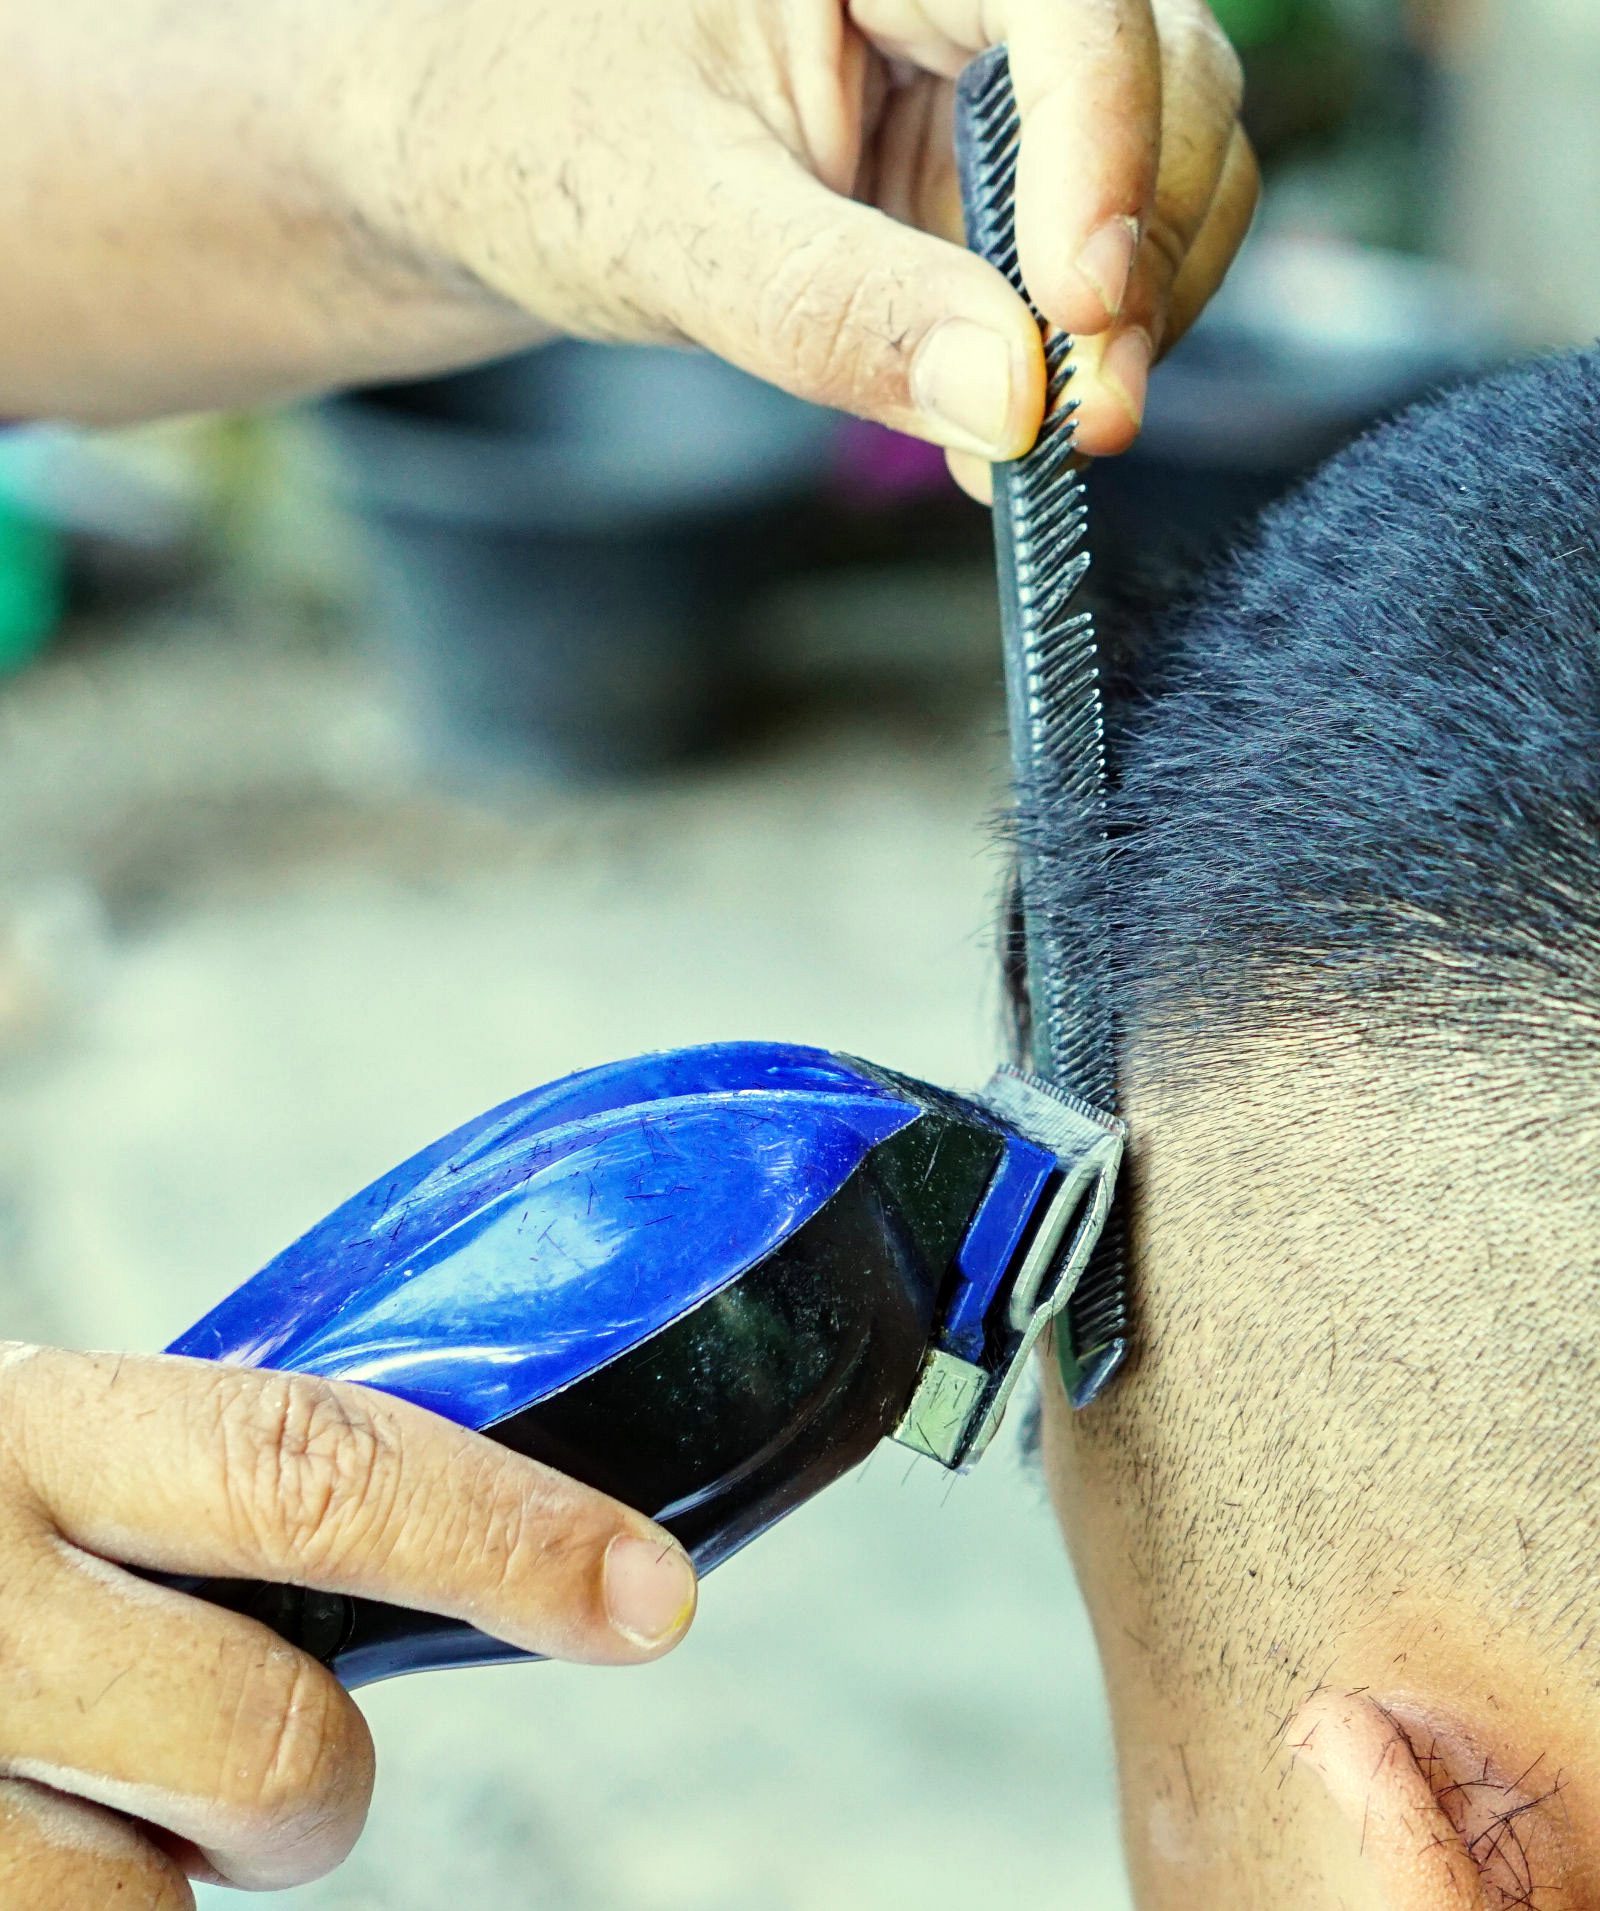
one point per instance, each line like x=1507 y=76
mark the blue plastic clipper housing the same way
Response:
x=707 y=1282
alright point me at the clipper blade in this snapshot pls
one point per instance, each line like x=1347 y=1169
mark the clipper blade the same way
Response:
x=1052 y=667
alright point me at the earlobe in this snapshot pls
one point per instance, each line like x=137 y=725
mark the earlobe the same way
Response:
x=1408 y=1846
x=1435 y=1827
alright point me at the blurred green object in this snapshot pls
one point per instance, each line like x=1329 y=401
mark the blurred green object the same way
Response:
x=1255 y=22
x=32 y=584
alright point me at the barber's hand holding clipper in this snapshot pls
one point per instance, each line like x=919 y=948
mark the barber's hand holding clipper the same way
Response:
x=145 y=1735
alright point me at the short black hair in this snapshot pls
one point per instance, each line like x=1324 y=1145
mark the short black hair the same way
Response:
x=1357 y=758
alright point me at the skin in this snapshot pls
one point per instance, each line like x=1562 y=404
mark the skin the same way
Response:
x=261 y=1772
x=1335 y=1527
x=225 y=203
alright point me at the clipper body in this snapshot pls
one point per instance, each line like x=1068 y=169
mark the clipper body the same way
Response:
x=707 y=1282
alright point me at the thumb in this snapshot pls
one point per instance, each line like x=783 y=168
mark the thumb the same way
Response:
x=843 y=305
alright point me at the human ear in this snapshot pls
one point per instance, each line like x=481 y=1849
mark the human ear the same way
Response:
x=1430 y=1821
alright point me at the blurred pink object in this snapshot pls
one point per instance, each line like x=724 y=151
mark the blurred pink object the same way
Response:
x=874 y=465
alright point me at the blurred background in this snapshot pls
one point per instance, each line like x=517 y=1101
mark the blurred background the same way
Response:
x=362 y=767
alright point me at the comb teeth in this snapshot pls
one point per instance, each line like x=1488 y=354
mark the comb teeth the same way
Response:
x=1053 y=700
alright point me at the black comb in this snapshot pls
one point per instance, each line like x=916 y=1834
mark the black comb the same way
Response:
x=1052 y=669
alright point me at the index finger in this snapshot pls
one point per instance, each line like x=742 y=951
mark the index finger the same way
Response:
x=1087 y=77
x=183 y=1466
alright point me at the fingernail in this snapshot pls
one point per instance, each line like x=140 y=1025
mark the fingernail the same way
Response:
x=961 y=383
x=1125 y=370
x=1106 y=260
x=649 y=1589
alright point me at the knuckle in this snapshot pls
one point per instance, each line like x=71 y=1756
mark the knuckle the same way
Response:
x=1163 y=251
x=833 y=335
x=514 y=1533
x=1195 y=41
x=1167 y=247
x=496 y=1537
x=1107 y=23
x=307 y=1466
x=294 y=1751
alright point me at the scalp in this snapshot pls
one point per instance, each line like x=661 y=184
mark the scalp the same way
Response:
x=1368 y=1361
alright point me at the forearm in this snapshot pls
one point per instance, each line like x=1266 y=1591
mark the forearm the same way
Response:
x=208 y=202
x=172 y=224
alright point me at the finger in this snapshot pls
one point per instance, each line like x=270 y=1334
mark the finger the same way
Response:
x=1111 y=371
x=183 y=1466
x=845 y=306
x=975 y=476
x=1227 y=225
x=1202 y=87
x=262 y=1766
x=1088 y=88
x=70 y=1856
x=910 y=169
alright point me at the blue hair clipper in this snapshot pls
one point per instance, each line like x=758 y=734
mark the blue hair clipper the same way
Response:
x=707 y=1282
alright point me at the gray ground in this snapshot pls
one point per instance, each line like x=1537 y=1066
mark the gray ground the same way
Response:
x=248 y=958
